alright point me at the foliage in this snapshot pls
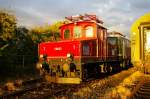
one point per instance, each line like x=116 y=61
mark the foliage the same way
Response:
x=54 y=29
x=46 y=32
x=7 y=31
x=18 y=45
x=24 y=43
x=7 y=25
x=14 y=41
x=18 y=53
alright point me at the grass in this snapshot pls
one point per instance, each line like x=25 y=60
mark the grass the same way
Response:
x=14 y=72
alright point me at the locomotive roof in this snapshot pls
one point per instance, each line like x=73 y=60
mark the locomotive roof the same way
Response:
x=100 y=25
x=117 y=34
x=85 y=17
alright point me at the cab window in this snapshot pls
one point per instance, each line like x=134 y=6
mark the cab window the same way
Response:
x=77 y=31
x=67 y=34
x=89 y=31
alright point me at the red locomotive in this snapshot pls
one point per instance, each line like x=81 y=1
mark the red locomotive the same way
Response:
x=85 y=51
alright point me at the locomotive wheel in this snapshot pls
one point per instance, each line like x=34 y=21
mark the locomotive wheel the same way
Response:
x=84 y=72
x=102 y=68
x=98 y=68
x=105 y=68
x=97 y=71
x=114 y=68
x=108 y=68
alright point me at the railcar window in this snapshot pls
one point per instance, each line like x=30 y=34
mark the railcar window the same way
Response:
x=67 y=34
x=147 y=44
x=120 y=44
x=128 y=43
x=112 y=41
x=77 y=31
x=89 y=31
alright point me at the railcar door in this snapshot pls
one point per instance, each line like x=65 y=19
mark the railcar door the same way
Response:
x=145 y=41
x=147 y=44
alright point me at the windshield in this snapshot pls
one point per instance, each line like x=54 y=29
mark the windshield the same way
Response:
x=77 y=31
x=89 y=31
x=67 y=34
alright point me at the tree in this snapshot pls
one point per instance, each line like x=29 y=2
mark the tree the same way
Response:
x=54 y=29
x=7 y=29
x=46 y=32
x=7 y=25
x=24 y=43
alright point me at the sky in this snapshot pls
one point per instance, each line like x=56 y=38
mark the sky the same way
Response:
x=118 y=15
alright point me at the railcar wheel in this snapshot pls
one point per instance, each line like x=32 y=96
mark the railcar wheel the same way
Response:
x=124 y=65
x=128 y=64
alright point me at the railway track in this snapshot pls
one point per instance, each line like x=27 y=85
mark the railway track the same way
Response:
x=143 y=89
x=24 y=87
x=48 y=90
x=36 y=89
x=42 y=90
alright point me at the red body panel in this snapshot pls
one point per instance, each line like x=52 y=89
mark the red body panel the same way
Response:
x=96 y=45
x=60 y=49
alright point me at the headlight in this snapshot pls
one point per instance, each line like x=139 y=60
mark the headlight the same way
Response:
x=38 y=65
x=68 y=55
x=41 y=56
